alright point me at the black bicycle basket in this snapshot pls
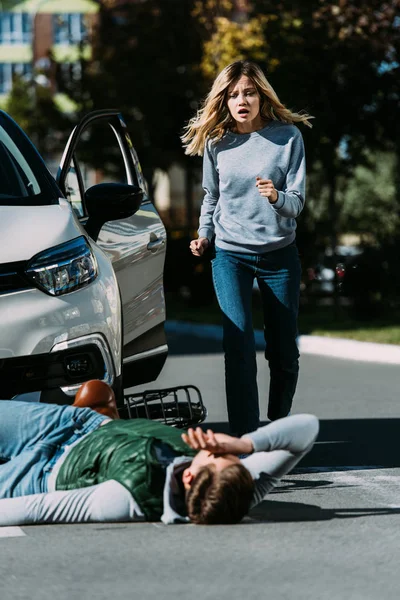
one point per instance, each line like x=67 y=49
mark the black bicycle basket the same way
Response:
x=180 y=406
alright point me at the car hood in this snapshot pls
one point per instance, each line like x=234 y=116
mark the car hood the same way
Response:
x=27 y=230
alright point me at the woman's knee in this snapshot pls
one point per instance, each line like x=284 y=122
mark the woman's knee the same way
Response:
x=283 y=358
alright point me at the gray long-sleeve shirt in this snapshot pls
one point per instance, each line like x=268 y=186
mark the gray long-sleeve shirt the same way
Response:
x=278 y=447
x=233 y=208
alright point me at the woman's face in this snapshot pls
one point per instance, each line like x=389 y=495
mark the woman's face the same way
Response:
x=244 y=104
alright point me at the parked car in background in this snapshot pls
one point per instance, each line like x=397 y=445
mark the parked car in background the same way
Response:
x=320 y=278
x=81 y=266
x=370 y=281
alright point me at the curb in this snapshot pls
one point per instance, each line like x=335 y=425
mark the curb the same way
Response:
x=308 y=344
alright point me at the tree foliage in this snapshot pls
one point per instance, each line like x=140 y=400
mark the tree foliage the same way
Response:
x=228 y=35
x=339 y=61
x=369 y=213
x=33 y=108
x=145 y=62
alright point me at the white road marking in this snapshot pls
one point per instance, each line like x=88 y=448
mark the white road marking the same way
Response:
x=381 y=484
x=11 y=532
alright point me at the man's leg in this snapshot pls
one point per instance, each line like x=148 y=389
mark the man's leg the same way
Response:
x=24 y=424
x=31 y=435
x=233 y=277
x=107 y=501
x=24 y=474
x=279 y=282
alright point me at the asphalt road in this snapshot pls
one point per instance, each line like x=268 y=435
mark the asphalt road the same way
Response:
x=330 y=531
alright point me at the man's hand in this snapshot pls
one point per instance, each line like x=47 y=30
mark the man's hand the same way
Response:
x=216 y=443
x=267 y=189
x=199 y=246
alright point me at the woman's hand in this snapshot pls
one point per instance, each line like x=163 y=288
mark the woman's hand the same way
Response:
x=216 y=443
x=267 y=189
x=199 y=246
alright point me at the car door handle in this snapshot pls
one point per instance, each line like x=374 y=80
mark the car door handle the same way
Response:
x=155 y=243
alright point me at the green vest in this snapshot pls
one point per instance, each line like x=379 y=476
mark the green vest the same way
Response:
x=124 y=451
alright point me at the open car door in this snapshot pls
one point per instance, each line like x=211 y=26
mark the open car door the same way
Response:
x=100 y=150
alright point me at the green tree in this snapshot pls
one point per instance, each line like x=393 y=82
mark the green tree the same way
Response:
x=228 y=34
x=339 y=61
x=145 y=63
x=32 y=106
x=371 y=214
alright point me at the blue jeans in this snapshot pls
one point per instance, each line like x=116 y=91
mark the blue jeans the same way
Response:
x=278 y=275
x=32 y=438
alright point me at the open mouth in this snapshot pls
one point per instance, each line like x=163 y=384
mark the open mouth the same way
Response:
x=243 y=111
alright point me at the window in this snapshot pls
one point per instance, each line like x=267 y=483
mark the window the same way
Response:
x=98 y=158
x=70 y=72
x=69 y=28
x=73 y=191
x=15 y=28
x=7 y=72
x=24 y=181
x=17 y=179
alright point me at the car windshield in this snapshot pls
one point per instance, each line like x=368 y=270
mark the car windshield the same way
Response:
x=24 y=179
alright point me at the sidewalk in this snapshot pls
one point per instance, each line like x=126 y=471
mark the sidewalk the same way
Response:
x=308 y=344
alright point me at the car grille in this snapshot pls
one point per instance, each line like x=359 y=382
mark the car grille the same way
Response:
x=12 y=278
x=38 y=372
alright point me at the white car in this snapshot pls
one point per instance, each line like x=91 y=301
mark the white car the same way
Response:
x=81 y=265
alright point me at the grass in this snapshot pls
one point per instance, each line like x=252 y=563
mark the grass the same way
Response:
x=384 y=329
x=313 y=320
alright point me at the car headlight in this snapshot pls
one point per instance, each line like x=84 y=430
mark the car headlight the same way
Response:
x=64 y=268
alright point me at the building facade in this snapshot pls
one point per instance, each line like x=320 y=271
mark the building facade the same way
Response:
x=33 y=30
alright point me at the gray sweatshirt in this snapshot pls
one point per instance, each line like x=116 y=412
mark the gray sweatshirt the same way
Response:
x=233 y=209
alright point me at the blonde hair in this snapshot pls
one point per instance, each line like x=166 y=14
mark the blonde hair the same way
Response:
x=213 y=119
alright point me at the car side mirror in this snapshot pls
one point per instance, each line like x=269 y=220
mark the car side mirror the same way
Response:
x=109 y=202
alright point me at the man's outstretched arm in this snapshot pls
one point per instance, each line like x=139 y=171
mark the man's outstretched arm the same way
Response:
x=278 y=447
x=274 y=449
x=108 y=501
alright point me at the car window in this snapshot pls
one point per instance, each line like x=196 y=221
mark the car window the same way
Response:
x=97 y=159
x=16 y=176
x=24 y=179
x=73 y=191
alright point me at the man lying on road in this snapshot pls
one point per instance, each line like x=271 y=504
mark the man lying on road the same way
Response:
x=64 y=464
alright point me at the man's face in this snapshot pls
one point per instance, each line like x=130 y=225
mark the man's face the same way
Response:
x=204 y=458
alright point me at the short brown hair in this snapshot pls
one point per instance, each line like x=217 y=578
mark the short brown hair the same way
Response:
x=222 y=497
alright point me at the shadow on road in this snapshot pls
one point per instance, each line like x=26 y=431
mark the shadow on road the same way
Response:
x=275 y=511
x=186 y=343
x=349 y=443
